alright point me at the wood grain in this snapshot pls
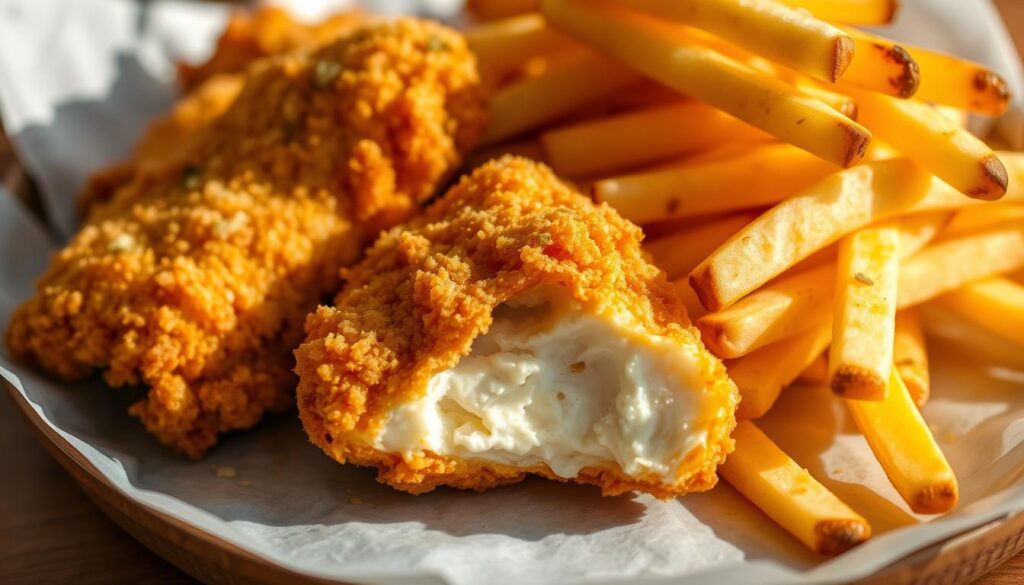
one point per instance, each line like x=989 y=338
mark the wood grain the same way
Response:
x=51 y=533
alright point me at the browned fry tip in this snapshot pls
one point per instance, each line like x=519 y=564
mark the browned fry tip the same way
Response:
x=842 y=55
x=838 y=536
x=856 y=144
x=894 y=7
x=909 y=79
x=702 y=281
x=857 y=383
x=994 y=180
x=936 y=499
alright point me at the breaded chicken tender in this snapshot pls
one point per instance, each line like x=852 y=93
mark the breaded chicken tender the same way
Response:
x=514 y=327
x=266 y=31
x=194 y=280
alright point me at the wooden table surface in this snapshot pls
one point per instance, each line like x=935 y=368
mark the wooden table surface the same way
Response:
x=51 y=533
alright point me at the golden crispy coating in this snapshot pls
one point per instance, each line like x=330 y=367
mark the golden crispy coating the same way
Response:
x=194 y=279
x=426 y=290
x=269 y=30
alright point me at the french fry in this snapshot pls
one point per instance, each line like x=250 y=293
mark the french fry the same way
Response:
x=995 y=304
x=864 y=321
x=761 y=375
x=980 y=217
x=775 y=312
x=678 y=253
x=882 y=66
x=504 y=45
x=570 y=83
x=817 y=372
x=839 y=102
x=904 y=446
x=797 y=301
x=665 y=53
x=763 y=175
x=935 y=142
x=944 y=79
x=645 y=136
x=838 y=205
x=951 y=263
x=485 y=10
x=764 y=27
x=961 y=117
x=866 y=12
x=910 y=355
x=789 y=495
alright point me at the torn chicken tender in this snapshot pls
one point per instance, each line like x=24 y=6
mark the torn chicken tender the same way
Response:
x=195 y=283
x=512 y=328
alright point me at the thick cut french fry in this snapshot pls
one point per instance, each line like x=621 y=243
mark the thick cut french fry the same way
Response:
x=571 y=82
x=645 y=136
x=842 y=203
x=935 y=142
x=761 y=176
x=866 y=12
x=504 y=45
x=995 y=304
x=904 y=446
x=667 y=54
x=789 y=495
x=816 y=373
x=951 y=263
x=761 y=375
x=796 y=301
x=677 y=254
x=864 y=321
x=944 y=79
x=839 y=102
x=883 y=67
x=765 y=27
x=485 y=10
x=980 y=217
x=910 y=355
x=775 y=312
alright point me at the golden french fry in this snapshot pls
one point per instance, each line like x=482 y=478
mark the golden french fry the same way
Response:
x=504 y=45
x=789 y=495
x=961 y=117
x=864 y=321
x=763 y=175
x=764 y=27
x=945 y=79
x=676 y=254
x=666 y=54
x=951 y=263
x=817 y=372
x=935 y=142
x=641 y=137
x=799 y=300
x=485 y=10
x=903 y=444
x=980 y=217
x=839 y=102
x=866 y=12
x=570 y=82
x=761 y=375
x=995 y=304
x=882 y=67
x=842 y=203
x=775 y=312
x=910 y=355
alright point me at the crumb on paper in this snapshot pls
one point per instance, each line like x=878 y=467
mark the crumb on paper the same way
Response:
x=226 y=472
x=355 y=500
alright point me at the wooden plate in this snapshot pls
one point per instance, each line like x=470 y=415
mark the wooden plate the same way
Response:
x=214 y=560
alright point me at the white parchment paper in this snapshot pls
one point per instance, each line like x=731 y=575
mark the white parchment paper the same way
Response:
x=78 y=80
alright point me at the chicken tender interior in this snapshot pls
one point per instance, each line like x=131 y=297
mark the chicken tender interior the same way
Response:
x=551 y=384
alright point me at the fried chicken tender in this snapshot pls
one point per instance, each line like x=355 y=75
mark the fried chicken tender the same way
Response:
x=194 y=280
x=266 y=31
x=514 y=327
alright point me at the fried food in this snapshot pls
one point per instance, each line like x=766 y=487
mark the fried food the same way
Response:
x=266 y=31
x=194 y=281
x=514 y=328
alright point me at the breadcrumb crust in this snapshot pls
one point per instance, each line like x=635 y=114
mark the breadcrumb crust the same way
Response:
x=195 y=277
x=426 y=290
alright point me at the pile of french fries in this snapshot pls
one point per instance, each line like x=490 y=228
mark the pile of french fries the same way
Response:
x=807 y=186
